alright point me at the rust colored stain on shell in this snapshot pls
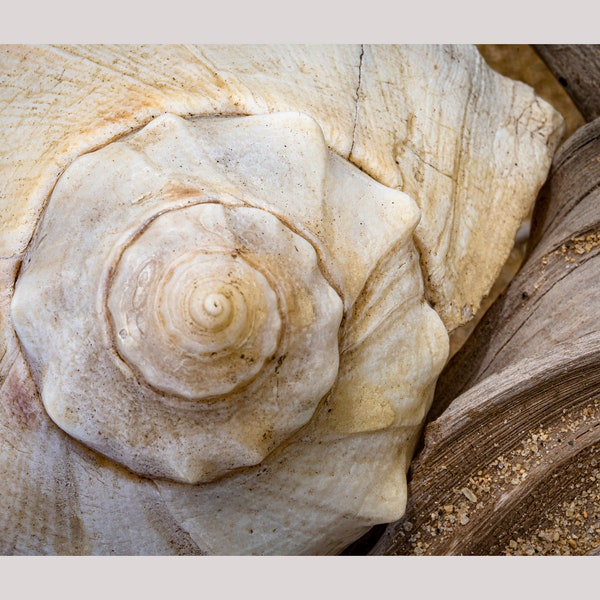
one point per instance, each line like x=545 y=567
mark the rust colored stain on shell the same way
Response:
x=22 y=398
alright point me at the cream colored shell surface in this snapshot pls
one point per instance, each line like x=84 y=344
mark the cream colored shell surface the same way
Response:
x=216 y=267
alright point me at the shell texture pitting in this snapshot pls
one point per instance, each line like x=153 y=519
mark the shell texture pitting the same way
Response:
x=215 y=329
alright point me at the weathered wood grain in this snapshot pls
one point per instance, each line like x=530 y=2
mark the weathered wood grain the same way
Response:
x=510 y=463
x=577 y=68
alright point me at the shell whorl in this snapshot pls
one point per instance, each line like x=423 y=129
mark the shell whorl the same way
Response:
x=190 y=310
x=213 y=317
x=181 y=303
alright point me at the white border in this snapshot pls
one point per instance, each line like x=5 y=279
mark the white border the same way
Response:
x=302 y=578
x=302 y=21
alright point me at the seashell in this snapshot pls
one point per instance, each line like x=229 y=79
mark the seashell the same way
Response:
x=216 y=329
x=214 y=312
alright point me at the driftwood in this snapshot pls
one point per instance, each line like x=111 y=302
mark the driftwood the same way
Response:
x=577 y=69
x=510 y=462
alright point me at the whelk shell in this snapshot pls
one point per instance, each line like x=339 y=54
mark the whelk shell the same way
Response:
x=227 y=314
